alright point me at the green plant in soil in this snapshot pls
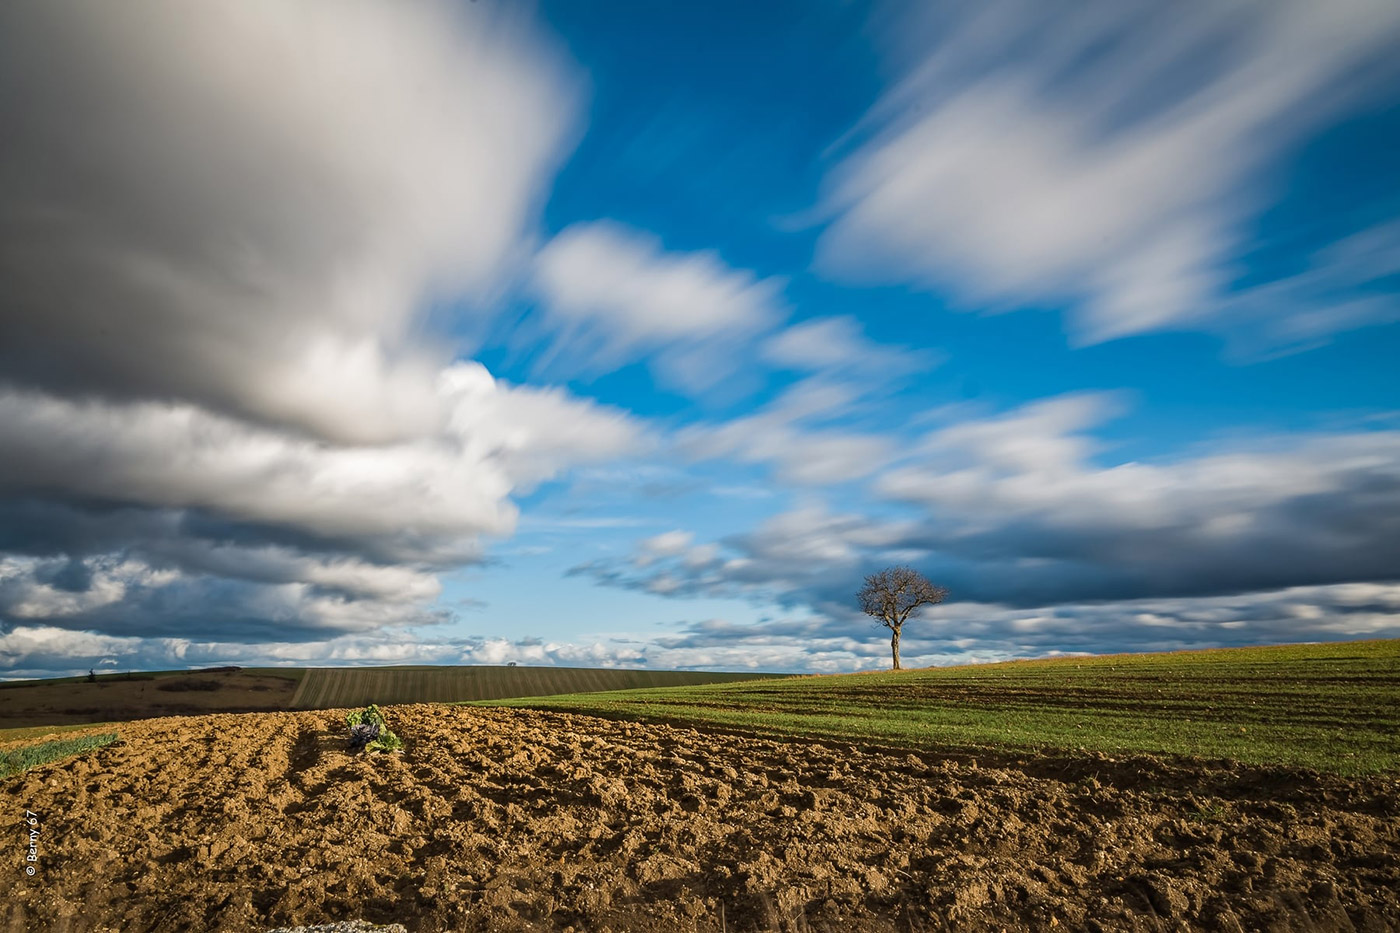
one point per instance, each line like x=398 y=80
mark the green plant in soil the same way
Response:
x=22 y=759
x=369 y=731
x=1209 y=813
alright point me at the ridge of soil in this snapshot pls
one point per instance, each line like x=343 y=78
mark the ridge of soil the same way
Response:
x=512 y=820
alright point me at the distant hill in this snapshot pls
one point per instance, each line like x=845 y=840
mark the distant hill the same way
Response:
x=335 y=687
x=146 y=694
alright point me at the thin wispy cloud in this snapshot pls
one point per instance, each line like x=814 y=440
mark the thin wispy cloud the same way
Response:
x=612 y=294
x=1112 y=155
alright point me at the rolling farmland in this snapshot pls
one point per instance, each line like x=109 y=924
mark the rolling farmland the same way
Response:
x=73 y=701
x=909 y=801
x=514 y=820
x=1333 y=707
x=121 y=697
x=332 y=688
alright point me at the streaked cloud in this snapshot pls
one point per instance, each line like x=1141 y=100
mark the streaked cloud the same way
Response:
x=1108 y=155
x=838 y=345
x=251 y=252
x=612 y=293
x=795 y=436
x=248 y=206
x=950 y=634
x=1019 y=509
x=413 y=496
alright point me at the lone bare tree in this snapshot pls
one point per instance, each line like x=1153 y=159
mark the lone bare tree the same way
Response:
x=893 y=595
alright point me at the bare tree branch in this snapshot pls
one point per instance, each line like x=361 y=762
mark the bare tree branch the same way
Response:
x=894 y=594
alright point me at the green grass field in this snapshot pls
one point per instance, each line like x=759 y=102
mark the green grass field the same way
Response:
x=1332 y=707
x=33 y=732
x=19 y=760
x=338 y=687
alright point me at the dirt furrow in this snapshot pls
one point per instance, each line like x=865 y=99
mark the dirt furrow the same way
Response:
x=511 y=820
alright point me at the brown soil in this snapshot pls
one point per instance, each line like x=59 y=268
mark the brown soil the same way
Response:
x=508 y=820
x=113 y=699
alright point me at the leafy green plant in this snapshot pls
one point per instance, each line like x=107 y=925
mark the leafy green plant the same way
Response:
x=1211 y=812
x=369 y=731
x=22 y=759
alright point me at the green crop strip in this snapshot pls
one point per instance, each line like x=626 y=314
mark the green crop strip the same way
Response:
x=1333 y=707
x=22 y=759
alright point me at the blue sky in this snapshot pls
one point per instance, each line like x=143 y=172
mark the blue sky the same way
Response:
x=637 y=334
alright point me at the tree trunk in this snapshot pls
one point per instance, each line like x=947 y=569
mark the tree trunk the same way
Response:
x=894 y=647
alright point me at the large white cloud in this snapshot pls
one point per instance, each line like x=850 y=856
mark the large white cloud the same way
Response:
x=1109 y=154
x=426 y=492
x=155 y=519
x=247 y=205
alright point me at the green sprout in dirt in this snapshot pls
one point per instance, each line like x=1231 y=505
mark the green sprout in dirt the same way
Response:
x=1209 y=813
x=369 y=731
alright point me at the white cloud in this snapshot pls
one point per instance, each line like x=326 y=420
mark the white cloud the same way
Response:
x=967 y=632
x=533 y=433
x=614 y=293
x=792 y=434
x=249 y=205
x=839 y=345
x=626 y=280
x=1024 y=508
x=668 y=544
x=1032 y=467
x=1043 y=436
x=1108 y=154
x=428 y=491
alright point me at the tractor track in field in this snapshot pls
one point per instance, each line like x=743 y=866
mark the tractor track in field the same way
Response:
x=507 y=820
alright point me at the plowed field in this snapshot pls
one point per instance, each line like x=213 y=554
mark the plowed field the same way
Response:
x=517 y=820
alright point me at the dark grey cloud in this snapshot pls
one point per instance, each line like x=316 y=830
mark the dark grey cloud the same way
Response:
x=198 y=521
x=1013 y=510
x=223 y=407
x=246 y=206
x=238 y=595
x=969 y=631
x=1021 y=494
